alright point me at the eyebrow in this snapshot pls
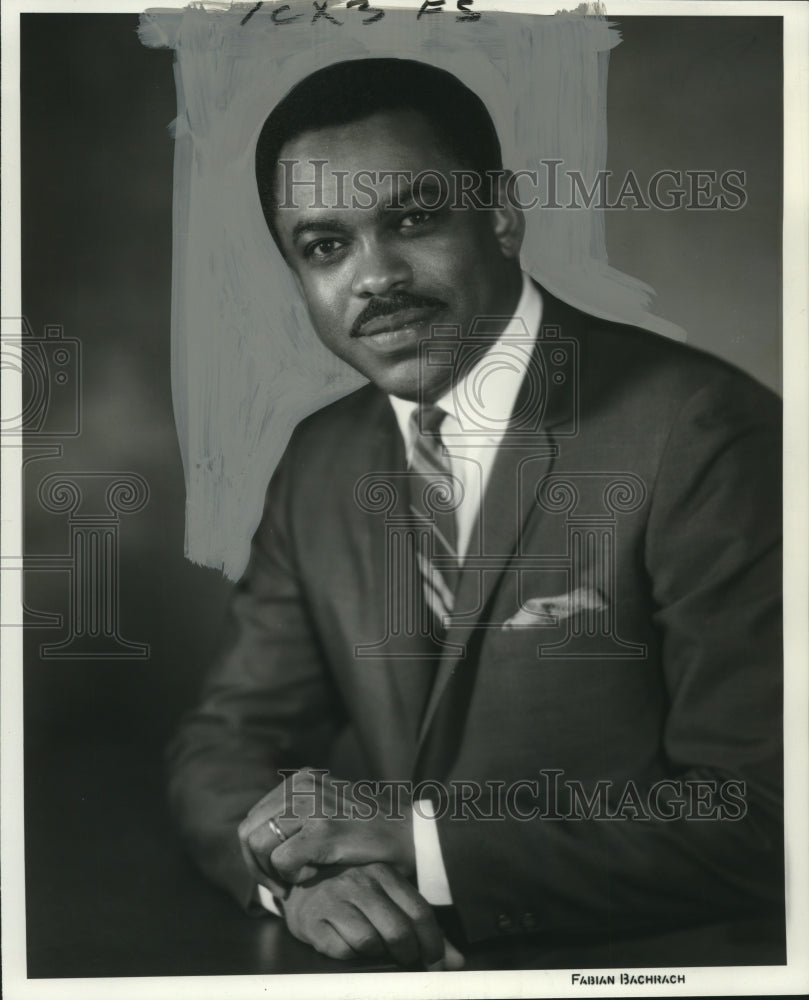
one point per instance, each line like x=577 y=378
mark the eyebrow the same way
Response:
x=406 y=194
x=332 y=224
x=329 y=224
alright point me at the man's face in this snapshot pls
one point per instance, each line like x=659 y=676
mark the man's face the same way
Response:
x=375 y=279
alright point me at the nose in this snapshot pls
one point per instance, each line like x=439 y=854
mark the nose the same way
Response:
x=380 y=270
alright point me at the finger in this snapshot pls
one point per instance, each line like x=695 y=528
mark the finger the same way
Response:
x=257 y=847
x=309 y=847
x=276 y=886
x=260 y=815
x=429 y=935
x=304 y=874
x=451 y=962
x=393 y=925
x=325 y=939
x=453 y=959
x=263 y=837
x=294 y=798
x=270 y=805
x=296 y=871
x=356 y=930
x=303 y=795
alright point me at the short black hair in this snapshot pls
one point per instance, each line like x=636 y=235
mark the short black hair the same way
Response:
x=349 y=91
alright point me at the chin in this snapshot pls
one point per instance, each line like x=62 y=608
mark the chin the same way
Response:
x=401 y=379
x=403 y=388
x=410 y=388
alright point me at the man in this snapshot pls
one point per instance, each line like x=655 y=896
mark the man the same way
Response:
x=527 y=579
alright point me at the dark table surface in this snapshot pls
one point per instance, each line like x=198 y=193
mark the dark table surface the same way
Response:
x=111 y=893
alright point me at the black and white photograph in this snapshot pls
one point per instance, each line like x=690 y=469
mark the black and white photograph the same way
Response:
x=404 y=410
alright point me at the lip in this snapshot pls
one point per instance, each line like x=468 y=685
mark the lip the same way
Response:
x=397 y=323
x=404 y=340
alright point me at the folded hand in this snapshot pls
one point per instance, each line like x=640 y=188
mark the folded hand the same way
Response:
x=370 y=910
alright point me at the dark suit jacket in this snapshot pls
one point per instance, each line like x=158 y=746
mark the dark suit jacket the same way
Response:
x=671 y=510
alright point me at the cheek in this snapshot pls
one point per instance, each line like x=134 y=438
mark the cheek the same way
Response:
x=323 y=301
x=453 y=258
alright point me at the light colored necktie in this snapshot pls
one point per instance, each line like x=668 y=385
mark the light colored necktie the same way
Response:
x=434 y=497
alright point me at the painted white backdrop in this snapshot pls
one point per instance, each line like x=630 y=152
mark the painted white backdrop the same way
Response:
x=246 y=365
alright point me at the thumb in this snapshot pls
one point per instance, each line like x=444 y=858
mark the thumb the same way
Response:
x=451 y=962
x=295 y=857
x=302 y=874
x=452 y=957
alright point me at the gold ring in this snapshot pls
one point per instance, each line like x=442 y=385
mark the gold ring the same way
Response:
x=276 y=829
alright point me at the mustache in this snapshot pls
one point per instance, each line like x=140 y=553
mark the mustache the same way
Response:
x=391 y=304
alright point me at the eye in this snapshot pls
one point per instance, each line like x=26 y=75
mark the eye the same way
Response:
x=323 y=249
x=416 y=218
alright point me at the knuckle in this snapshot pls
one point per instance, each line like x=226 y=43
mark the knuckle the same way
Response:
x=367 y=943
x=329 y=898
x=282 y=866
x=400 y=933
x=254 y=840
x=342 y=886
x=318 y=826
x=335 y=949
x=361 y=878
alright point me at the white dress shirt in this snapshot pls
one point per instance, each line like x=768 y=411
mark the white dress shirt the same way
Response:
x=478 y=408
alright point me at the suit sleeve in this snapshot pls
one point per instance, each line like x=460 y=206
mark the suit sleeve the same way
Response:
x=712 y=555
x=266 y=703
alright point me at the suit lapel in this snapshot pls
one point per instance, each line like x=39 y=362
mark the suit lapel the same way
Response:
x=525 y=455
x=400 y=658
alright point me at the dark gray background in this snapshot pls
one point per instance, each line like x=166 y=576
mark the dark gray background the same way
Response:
x=684 y=93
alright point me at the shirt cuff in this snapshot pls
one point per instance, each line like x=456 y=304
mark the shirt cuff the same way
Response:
x=431 y=876
x=267 y=900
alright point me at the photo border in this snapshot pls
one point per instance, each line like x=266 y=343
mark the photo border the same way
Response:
x=792 y=978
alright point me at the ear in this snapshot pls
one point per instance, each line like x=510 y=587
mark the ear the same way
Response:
x=508 y=221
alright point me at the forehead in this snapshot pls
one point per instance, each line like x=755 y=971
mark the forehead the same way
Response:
x=355 y=152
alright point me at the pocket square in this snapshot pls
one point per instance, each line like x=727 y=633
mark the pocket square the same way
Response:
x=551 y=610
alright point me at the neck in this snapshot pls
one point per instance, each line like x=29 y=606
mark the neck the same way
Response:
x=512 y=290
x=505 y=307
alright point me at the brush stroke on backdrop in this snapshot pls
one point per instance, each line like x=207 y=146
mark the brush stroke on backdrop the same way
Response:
x=246 y=364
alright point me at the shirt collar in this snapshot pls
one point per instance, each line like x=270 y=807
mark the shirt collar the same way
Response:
x=480 y=403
